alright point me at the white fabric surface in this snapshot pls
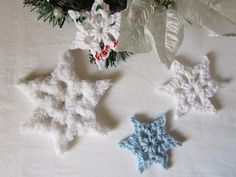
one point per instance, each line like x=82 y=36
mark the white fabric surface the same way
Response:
x=209 y=141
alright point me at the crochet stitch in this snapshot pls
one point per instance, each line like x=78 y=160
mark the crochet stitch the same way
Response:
x=64 y=104
x=150 y=143
x=97 y=31
x=192 y=87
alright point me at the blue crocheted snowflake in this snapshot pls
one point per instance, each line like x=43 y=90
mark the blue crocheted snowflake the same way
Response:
x=150 y=143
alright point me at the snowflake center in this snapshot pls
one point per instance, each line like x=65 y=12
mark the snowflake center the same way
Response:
x=150 y=144
x=79 y=96
x=99 y=18
x=62 y=85
x=101 y=30
x=192 y=88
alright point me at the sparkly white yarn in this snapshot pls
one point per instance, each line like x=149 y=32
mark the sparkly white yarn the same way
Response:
x=64 y=104
x=192 y=87
x=96 y=27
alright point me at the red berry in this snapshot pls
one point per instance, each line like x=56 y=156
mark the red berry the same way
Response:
x=97 y=56
x=115 y=44
x=104 y=52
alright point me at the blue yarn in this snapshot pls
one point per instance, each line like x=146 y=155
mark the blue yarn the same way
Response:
x=150 y=143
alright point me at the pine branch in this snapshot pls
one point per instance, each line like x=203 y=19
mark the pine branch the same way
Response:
x=56 y=11
x=165 y=3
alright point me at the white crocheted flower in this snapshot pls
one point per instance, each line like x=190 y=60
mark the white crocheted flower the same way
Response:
x=192 y=87
x=97 y=31
x=64 y=104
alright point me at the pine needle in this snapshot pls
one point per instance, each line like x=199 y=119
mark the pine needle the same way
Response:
x=45 y=8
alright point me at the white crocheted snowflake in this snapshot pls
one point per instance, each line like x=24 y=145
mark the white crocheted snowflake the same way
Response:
x=64 y=104
x=192 y=87
x=97 y=31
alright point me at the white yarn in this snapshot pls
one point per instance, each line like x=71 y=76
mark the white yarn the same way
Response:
x=95 y=27
x=64 y=104
x=192 y=87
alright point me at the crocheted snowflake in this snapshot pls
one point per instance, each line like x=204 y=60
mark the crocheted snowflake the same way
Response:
x=97 y=31
x=64 y=104
x=150 y=143
x=192 y=87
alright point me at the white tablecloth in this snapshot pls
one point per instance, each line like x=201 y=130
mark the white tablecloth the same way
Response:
x=209 y=142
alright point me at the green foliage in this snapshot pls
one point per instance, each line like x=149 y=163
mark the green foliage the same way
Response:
x=166 y=3
x=116 y=5
x=113 y=59
x=45 y=8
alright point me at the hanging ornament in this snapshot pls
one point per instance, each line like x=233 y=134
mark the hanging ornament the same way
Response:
x=97 y=31
x=111 y=34
x=58 y=12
